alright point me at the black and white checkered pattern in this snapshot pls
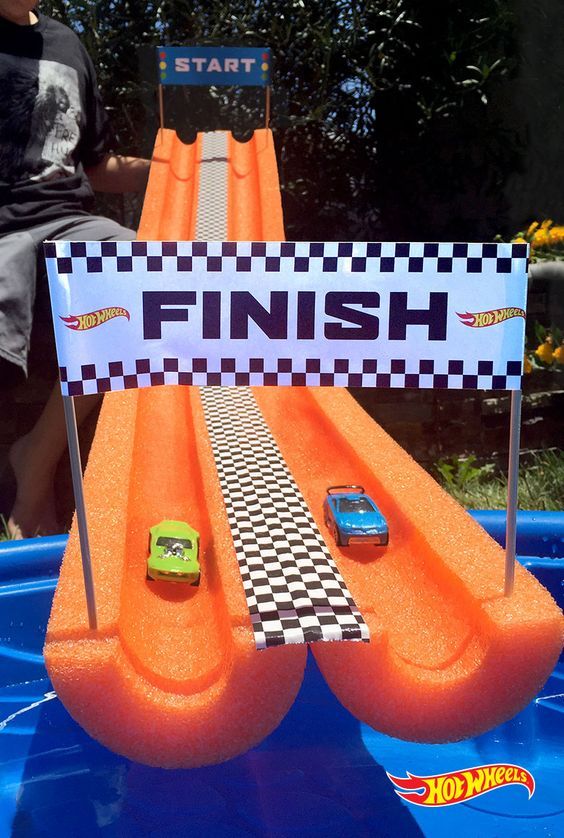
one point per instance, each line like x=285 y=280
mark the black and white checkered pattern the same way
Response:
x=408 y=259
x=385 y=257
x=211 y=212
x=305 y=372
x=294 y=590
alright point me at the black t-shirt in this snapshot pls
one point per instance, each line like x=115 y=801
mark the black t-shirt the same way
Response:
x=52 y=123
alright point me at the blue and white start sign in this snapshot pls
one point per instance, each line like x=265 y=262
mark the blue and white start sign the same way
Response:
x=137 y=314
x=243 y=66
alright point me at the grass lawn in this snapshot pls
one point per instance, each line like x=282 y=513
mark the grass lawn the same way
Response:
x=541 y=482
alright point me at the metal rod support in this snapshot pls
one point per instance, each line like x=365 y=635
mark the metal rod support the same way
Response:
x=267 y=107
x=76 y=470
x=512 y=486
x=161 y=110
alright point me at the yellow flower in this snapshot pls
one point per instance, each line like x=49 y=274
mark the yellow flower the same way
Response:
x=544 y=350
x=531 y=229
x=519 y=240
x=527 y=366
x=559 y=354
x=556 y=235
x=546 y=224
x=540 y=239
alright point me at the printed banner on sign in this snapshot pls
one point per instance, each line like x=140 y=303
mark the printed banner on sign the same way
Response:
x=136 y=314
x=214 y=65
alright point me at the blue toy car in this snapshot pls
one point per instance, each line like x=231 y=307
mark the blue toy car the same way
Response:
x=353 y=517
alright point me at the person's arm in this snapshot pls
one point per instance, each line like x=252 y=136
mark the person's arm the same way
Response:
x=119 y=174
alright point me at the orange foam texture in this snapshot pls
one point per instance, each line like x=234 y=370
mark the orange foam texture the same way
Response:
x=450 y=656
x=171 y=677
x=171 y=199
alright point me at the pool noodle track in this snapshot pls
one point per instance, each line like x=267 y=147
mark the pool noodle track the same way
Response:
x=171 y=677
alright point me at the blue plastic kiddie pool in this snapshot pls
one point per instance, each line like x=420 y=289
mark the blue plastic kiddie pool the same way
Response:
x=322 y=772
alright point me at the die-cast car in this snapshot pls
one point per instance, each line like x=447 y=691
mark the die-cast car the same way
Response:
x=173 y=553
x=353 y=517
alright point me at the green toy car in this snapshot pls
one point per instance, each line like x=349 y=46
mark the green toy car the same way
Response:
x=173 y=553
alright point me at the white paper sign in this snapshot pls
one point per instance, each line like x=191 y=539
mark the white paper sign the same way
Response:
x=136 y=314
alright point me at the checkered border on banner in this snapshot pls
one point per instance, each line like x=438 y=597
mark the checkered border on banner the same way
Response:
x=411 y=257
x=297 y=373
x=294 y=590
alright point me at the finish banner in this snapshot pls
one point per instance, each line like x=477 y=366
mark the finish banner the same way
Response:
x=243 y=66
x=137 y=314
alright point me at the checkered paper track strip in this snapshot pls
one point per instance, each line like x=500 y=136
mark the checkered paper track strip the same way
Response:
x=211 y=215
x=294 y=590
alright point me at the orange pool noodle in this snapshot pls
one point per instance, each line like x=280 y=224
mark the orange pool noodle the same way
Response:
x=171 y=677
x=450 y=656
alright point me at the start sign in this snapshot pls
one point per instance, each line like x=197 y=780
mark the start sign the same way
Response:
x=214 y=65
x=135 y=314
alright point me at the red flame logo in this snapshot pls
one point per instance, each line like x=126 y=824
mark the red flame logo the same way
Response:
x=81 y=322
x=479 y=319
x=457 y=786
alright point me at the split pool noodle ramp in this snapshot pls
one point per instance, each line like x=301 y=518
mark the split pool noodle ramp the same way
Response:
x=171 y=677
x=174 y=668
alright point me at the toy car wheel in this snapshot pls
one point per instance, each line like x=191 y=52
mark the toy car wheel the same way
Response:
x=337 y=536
x=147 y=577
x=196 y=584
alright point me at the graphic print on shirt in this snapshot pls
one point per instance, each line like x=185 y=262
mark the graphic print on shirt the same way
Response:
x=40 y=116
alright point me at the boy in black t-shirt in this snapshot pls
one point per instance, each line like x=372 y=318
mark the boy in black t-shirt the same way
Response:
x=53 y=151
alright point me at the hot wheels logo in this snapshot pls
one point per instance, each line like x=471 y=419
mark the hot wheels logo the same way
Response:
x=81 y=322
x=490 y=318
x=457 y=786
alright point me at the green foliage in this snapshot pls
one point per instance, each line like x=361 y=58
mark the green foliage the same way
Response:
x=541 y=482
x=542 y=332
x=5 y=535
x=441 y=128
x=461 y=473
x=384 y=111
